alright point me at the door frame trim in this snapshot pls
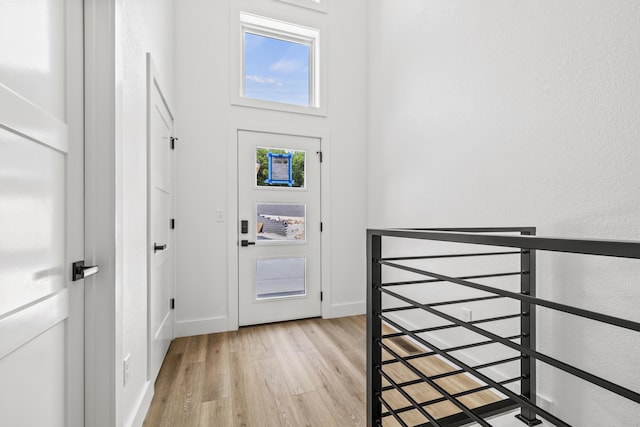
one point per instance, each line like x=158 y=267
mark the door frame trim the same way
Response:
x=153 y=80
x=232 y=203
x=103 y=234
x=75 y=221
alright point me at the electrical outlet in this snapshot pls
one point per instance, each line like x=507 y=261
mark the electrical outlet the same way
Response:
x=220 y=215
x=466 y=314
x=126 y=369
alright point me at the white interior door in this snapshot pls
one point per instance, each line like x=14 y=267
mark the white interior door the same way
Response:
x=278 y=227
x=41 y=213
x=160 y=209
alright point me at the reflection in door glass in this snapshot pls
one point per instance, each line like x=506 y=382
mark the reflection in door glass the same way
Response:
x=280 y=277
x=279 y=168
x=278 y=222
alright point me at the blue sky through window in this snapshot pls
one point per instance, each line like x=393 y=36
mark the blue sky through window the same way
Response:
x=276 y=70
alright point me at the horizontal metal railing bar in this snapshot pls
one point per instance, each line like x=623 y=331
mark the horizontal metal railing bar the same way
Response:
x=439 y=304
x=466 y=300
x=450 y=326
x=407 y=258
x=456 y=395
x=453 y=325
x=434 y=385
x=457 y=372
x=403 y=308
x=459 y=419
x=391 y=411
x=587 y=376
x=477 y=276
x=599 y=317
x=613 y=248
x=403 y=384
x=450 y=349
x=480 y=229
x=409 y=398
x=480 y=376
x=462 y=371
x=498 y=362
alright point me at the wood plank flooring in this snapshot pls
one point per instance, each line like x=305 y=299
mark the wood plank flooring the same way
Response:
x=303 y=373
x=429 y=366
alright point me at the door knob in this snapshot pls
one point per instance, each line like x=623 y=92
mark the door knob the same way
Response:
x=157 y=247
x=80 y=271
x=246 y=243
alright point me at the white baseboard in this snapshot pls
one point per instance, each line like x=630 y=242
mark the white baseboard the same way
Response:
x=212 y=325
x=143 y=406
x=343 y=310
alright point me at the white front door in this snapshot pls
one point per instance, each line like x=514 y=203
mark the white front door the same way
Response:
x=41 y=213
x=278 y=227
x=160 y=210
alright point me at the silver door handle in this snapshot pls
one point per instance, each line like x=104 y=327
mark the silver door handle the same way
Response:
x=80 y=271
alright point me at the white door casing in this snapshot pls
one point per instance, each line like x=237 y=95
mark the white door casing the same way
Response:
x=41 y=214
x=160 y=208
x=285 y=254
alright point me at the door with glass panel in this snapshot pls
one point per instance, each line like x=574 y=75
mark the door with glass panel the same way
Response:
x=278 y=227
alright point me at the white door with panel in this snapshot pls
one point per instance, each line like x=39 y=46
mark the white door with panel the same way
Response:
x=41 y=213
x=160 y=210
x=279 y=227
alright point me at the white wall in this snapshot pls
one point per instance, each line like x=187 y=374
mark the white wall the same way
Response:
x=204 y=117
x=519 y=113
x=146 y=26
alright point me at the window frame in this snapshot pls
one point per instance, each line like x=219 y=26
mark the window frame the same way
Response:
x=319 y=5
x=286 y=31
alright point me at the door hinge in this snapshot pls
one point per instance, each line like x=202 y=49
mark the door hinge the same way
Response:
x=319 y=153
x=321 y=296
x=173 y=142
x=172 y=303
x=321 y=227
x=172 y=223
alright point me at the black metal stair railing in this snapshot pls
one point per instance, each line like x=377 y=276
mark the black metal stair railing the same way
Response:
x=523 y=343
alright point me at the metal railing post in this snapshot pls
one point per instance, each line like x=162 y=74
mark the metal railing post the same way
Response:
x=528 y=330
x=374 y=329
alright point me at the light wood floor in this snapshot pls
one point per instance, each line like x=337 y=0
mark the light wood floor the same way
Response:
x=303 y=373
x=429 y=366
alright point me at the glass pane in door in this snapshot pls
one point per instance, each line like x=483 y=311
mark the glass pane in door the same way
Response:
x=280 y=277
x=280 y=222
x=276 y=167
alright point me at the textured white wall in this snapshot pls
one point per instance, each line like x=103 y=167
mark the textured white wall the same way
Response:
x=499 y=113
x=147 y=26
x=204 y=115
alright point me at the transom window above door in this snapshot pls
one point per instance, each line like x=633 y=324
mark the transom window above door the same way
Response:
x=277 y=70
x=279 y=65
